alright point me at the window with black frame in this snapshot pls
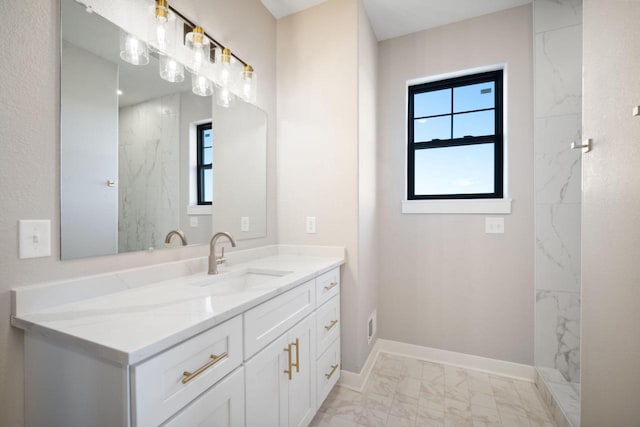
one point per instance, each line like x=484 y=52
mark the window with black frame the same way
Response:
x=455 y=144
x=205 y=161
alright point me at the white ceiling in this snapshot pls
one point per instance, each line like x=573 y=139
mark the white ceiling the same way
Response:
x=393 y=18
x=282 y=8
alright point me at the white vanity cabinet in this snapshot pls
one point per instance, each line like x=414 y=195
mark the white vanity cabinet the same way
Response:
x=269 y=366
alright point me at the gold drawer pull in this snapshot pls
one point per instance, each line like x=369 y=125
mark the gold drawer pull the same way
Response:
x=331 y=325
x=333 y=369
x=330 y=286
x=297 y=364
x=289 y=371
x=188 y=376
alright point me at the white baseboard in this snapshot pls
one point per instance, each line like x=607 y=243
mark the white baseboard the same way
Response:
x=358 y=381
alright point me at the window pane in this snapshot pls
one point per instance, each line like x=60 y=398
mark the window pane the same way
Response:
x=207 y=184
x=432 y=128
x=207 y=138
x=466 y=169
x=474 y=124
x=206 y=155
x=432 y=103
x=474 y=97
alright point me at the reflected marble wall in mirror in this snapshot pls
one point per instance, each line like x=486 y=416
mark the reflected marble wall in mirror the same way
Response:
x=141 y=156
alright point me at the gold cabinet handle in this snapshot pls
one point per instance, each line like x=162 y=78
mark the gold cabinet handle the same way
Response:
x=331 y=325
x=333 y=369
x=289 y=371
x=297 y=364
x=330 y=286
x=188 y=376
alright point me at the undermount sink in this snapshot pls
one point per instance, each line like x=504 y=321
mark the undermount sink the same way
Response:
x=242 y=281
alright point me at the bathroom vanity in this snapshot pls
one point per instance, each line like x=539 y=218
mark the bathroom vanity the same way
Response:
x=256 y=345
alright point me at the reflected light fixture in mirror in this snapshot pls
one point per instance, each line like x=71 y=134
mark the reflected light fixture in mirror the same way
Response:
x=199 y=44
x=201 y=86
x=171 y=70
x=133 y=50
x=224 y=61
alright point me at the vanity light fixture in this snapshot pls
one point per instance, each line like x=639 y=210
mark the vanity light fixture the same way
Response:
x=133 y=50
x=224 y=62
x=161 y=31
x=247 y=84
x=199 y=44
x=201 y=86
x=171 y=70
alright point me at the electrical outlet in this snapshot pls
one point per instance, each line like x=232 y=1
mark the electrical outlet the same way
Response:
x=311 y=224
x=636 y=111
x=244 y=223
x=494 y=225
x=193 y=221
x=35 y=238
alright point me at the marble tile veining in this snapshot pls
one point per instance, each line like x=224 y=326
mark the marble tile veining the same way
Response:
x=554 y=14
x=447 y=396
x=558 y=332
x=562 y=398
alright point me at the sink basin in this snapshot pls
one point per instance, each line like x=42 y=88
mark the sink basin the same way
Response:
x=242 y=281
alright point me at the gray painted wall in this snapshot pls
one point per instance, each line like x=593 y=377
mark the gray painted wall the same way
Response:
x=443 y=282
x=29 y=165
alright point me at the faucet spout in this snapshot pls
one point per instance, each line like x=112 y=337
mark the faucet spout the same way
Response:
x=213 y=259
x=178 y=233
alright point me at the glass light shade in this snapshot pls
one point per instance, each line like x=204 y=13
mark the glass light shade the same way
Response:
x=224 y=97
x=246 y=84
x=201 y=86
x=171 y=70
x=200 y=48
x=224 y=67
x=162 y=31
x=133 y=50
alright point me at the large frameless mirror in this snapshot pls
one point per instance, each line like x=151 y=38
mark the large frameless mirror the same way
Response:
x=143 y=152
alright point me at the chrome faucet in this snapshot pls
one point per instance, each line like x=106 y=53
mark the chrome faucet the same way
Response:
x=178 y=233
x=213 y=259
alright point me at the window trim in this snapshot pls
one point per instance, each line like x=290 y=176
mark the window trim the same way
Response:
x=200 y=167
x=485 y=74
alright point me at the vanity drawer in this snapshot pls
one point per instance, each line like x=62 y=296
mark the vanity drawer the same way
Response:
x=327 y=324
x=327 y=285
x=221 y=406
x=266 y=322
x=160 y=386
x=328 y=371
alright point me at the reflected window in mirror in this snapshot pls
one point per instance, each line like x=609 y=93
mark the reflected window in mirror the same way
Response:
x=205 y=155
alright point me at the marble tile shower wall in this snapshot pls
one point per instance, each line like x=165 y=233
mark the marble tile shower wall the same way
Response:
x=558 y=121
x=149 y=172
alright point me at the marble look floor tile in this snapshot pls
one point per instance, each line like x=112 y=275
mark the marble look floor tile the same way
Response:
x=325 y=420
x=432 y=372
x=429 y=417
x=455 y=377
x=457 y=421
x=485 y=417
x=382 y=384
x=404 y=407
x=409 y=386
x=431 y=396
x=511 y=420
x=393 y=421
x=483 y=399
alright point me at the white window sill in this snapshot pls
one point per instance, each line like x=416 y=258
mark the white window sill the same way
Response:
x=199 y=210
x=457 y=206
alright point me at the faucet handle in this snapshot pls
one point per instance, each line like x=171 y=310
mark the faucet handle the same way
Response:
x=221 y=259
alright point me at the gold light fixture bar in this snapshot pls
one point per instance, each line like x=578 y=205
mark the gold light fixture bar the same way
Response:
x=191 y=24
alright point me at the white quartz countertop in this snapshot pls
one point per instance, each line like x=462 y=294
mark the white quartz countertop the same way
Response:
x=130 y=325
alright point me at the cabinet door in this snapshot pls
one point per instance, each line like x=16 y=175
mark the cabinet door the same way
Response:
x=221 y=406
x=266 y=391
x=302 y=387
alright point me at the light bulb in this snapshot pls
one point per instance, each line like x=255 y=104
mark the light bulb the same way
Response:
x=132 y=50
x=171 y=70
x=162 y=32
x=161 y=36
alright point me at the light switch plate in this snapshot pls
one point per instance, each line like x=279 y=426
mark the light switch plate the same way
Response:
x=193 y=221
x=34 y=238
x=244 y=223
x=311 y=224
x=494 y=225
x=636 y=110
